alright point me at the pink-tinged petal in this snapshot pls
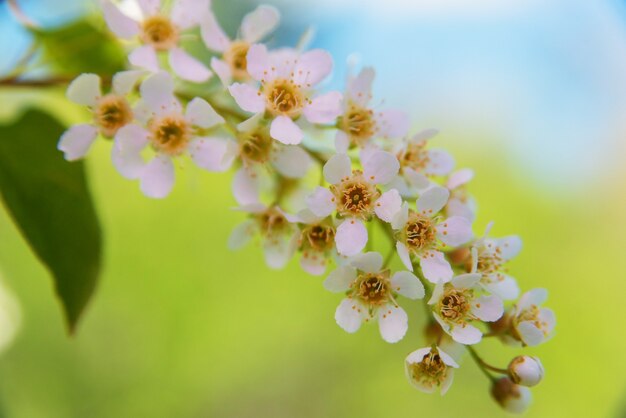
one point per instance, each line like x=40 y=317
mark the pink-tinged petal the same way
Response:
x=258 y=60
x=532 y=297
x=408 y=285
x=392 y=123
x=130 y=140
x=466 y=334
x=456 y=207
x=313 y=263
x=124 y=82
x=509 y=246
x=459 y=178
x=440 y=163
x=435 y=267
x=145 y=57
x=488 y=308
x=360 y=87
x=212 y=153
x=189 y=13
x=381 y=167
x=84 y=90
x=405 y=256
x=213 y=35
x=76 y=141
x=433 y=200
x=277 y=253
x=245 y=188
x=424 y=135
x=454 y=231
x=393 y=323
x=157 y=91
x=247 y=97
x=312 y=67
x=466 y=280
x=502 y=285
x=223 y=71
x=120 y=24
x=321 y=202
x=417 y=180
x=187 y=67
x=281 y=63
x=242 y=234
x=157 y=177
x=259 y=23
x=200 y=113
x=340 y=279
x=351 y=237
x=337 y=168
x=292 y=161
x=149 y=7
x=342 y=142
x=324 y=109
x=388 y=205
x=370 y=262
x=349 y=315
x=285 y=130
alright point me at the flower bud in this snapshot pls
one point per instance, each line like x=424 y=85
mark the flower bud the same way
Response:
x=511 y=397
x=526 y=370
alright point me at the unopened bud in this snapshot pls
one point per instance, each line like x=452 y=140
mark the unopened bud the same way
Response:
x=511 y=397
x=526 y=370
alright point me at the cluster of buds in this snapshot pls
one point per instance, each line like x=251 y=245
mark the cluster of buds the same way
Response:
x=266 y=116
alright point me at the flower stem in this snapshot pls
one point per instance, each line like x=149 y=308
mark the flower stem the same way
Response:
x=483 y=365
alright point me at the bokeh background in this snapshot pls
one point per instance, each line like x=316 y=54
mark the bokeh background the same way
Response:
x=529 y=93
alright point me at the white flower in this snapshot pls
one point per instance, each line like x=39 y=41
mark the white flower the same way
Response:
x=511 y=397
x=359 y=122
x=531 y=324
x=371 y=295
x=316 y=241
x=461 y=203
x=159 y=31
x=171 y=132
x=421 y=233
x=526 y=370
x=457 y=303
x=430 y=368
x=110 y=112
x=418 y=163
x=355 y=196
x=285 y=91
x=489 y=257
x=255 y=26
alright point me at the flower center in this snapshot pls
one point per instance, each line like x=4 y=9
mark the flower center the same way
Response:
x=111 y=113
x=488 y=263
x=272 y=223
x=431 y=369
x=318 y=237
x=455 y=305
x=284 y=97
x=373 y=289
x=236 y=57
x=414 y=156
x=355 y=196
x=170 y=134
x=160 y=32
x=255 y=146
x=419 y=232
x=359 y=123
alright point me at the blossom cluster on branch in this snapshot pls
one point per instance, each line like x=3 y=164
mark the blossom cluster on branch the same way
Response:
x=267 y=115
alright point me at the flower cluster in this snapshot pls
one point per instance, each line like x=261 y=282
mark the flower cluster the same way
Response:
x=267 y=115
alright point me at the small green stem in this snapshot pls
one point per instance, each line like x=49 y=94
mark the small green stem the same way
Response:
x=484 y=366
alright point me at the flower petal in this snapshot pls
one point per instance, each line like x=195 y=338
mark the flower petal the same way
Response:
x=149 y=7
x=459 y=178
x=187 y=67
x=277 y=253
x=405 y=256
x=370 y=262
x=313 y=263
x=247 y=97
x=157 y=91
x=351 y=237
x=440 y=163
x=157 y=177
x=488 y=308
x=222 y=70
x=292 y=161
x=447 y=382
x=242 y=234
x=213 y=35
x=407 y=284
x=466 y=334
x=200 y=113
x=312 y=67
x=130 y=140
x=509 y=246
x=392 y=123
x=435 y=267
x=324 y=109
x=502 y=285
x=125 y=81
x=381 y=167
x=245 y=188
x=433 y=200
x=401 y=218
x=84 y=90
x=285 y=130
x=393 y=323
x=145 y=57
x=342 y=142
x=77 y=140
x=339 y=280
x=189 y=13
x=466 y=280
x=120 y=24
x=388 y=205
x=320 y=202
x=454 y=231
x=213 y=154
x=258 y=60
x=360 y=87
x=259 y=23
x=337 y=168
x=349 y=315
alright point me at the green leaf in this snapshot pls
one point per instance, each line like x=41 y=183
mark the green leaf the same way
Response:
x=80 y=47
x=49 y=201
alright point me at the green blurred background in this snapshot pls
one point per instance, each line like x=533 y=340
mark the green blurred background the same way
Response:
x=181 y=327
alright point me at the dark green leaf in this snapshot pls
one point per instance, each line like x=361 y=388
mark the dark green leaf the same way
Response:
x=49 y=200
